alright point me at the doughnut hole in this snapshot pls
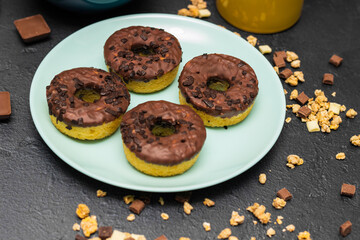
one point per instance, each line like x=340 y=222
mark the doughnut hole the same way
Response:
x=163 y=129
x=89 y=95
x=218 y=84
x=142 y=50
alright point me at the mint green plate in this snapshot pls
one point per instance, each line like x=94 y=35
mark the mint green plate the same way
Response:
x=226 y=153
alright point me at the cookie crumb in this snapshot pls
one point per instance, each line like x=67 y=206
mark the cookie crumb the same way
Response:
x=131 y=217
x=161 y=201
x=304 y=236
x=224 y=234
x=89 y=225
x=279 y=220
x=236 y=219
x=351 y=113
x=299 y=75
x=265 y=49
x=208 y=202
x=340 y=156
x=252 y=40
x=295 y=64
x=290 y=228
x=294 y=94
x=206 y=226
x=259 y=212
x=333 y=94
x=279 y=203
x=82 y=211
x=288 y=120
x=100 y=193
x=164 y=216
x=270 y=232
x=76 y=227
x=262 y=178
x=292 y=81
x=291 y=56
x=128 y=199
x=187 y=208
x=184 y=238
x=294 y=160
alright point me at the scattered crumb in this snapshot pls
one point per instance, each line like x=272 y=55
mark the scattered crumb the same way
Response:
x=184 y=238
x=89 y=225
x=253 y=238
x=236 y=33
x=270 y=232
x=285 y=92
x=279 y=220
x=208 y=202
x=288 y=120
x=206 y=226
x=233 y=238
x=82 y=211
x=131 y=217
x=224 y=234
x=295 y=64
x=255 y=222
x=128 y=199
x=262 y=178
x=333 y=94
x=342 y=108
x=294 y=160
x=276 y=69
x=265 y=49
x=76 y=227
x=299 y=75
x=187 y=208
x=259 y=212
x=252 y=40
x=340 y=156
x=290 y=228
x=292 y=81
x=279 y=203
x=294 y=94
x=164 y=216
x=236 y=219
x=351 y=113
x=161 y=201
x=304 y=235
x=355 y=140
x=291 y=56
x=100 y=193
x=197 y=8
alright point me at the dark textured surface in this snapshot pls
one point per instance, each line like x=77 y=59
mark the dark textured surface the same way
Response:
x=39 y=192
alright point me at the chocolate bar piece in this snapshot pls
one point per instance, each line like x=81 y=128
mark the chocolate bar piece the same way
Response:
x=335 y=60
x=105 y=232
x=304 y=112
x=79 y=237
x=279 y=62
x=302 y=98
x=137 y=206
x=32 y=28
x=281 y=54
x=5 y=106
x=284 y=74
x=328 y=78
x=183 y=197
x=348 y=190
x=162 y=237
x=345 y=228
x=284 y=194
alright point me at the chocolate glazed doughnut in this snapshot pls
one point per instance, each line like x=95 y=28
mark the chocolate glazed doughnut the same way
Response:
x=220 y=88
x=87 y=103
x=162 y=138
x=147 y=59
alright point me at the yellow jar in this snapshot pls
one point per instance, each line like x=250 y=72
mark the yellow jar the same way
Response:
x=260 y=16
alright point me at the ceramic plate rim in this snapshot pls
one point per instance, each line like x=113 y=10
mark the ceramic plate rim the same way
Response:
x=79 y=168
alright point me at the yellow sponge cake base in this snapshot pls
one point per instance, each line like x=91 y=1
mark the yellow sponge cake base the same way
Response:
x=157 y=170
x=213 y=121
x=88 y=133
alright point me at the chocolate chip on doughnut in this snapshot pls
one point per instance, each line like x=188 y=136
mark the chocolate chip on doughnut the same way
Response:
x=87 y=103
x=146 y=58
x=219 y=87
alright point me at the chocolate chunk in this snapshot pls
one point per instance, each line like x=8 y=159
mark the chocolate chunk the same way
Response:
x=281 y=54
x=124 y=40
x=335 y=60
x=304 y=112
x=284 y=194
x=32 y=28
x=189 y=81
x=284 y=74
x=105 y=232
x=146 y=199
x=137 y=206
x=208 y=103
x=328 y=78
x=183 y=197
x=345 y=228
x=112 y=112
x=302 y=98
x=143 y=37
x=162 y=237
x=5 y=105
x=279 y=62
x=348 y=190
x=79 y=237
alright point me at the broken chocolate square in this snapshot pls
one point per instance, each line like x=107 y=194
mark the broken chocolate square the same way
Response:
x=304 y=112
x=79 y=237
x=105 y=232
x=284 y=194
x=345 y=228
x=302 y=98
x=335 y=60
x=32 y=28
x=5 y=106
x=348 y=190
x=284 y=74
x=328 y=78
x=281 y=54
x=279 y=62
x=137 y=206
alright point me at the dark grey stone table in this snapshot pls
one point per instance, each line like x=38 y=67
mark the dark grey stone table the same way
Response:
x=39 y=192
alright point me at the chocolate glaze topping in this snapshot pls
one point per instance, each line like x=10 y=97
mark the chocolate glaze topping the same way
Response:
x=162 y=53
x=242 y=90
x=183 y=145
x=114 y=97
